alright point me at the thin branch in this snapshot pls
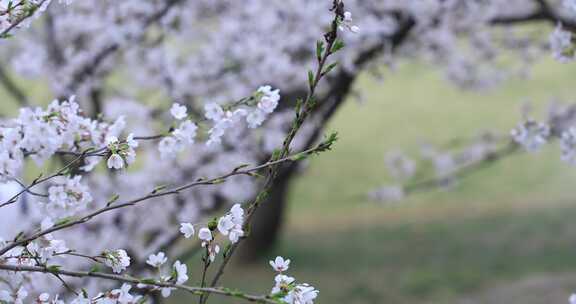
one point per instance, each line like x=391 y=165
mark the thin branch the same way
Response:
x=26 y=188
x=544 y=12
x=207 y=263
x=125 y=279
x=464 y=171
x=161 y=193
x=41 y=180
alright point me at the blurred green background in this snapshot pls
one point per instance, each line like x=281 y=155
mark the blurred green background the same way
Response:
x=506 y=234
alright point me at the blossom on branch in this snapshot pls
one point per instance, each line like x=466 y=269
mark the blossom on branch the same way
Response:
x=531 y=135
x=118 y=260
x=279 y=264
x=178 y=111
x=157 y=260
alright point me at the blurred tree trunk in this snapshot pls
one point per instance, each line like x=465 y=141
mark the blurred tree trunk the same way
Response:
x=269 y=219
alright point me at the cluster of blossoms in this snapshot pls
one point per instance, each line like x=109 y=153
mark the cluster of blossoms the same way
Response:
x=532 y=135
x=562 y=44
x=286 y=289
x=266 y=100
x=263 y=102
x=44 y=249
x=63 y=129
x=568 y=146
x=38 y=252
x=346 y=23
x=229 y=225
x=121 y=153
x=435 y=167
x=438 y=26
x=43 y=133
x=117 y=259
x=13 y=13
x=181 y=137
x=67 y=196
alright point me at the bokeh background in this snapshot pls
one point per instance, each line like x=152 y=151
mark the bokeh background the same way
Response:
x=505 y=234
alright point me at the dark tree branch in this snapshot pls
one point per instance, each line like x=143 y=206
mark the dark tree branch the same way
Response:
x=544 y=13
x=51 y=40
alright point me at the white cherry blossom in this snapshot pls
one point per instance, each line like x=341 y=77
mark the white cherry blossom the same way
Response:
x=187 y=230
x=178 y=111
x=157 y=260
x=118 y=260
x=280 y=264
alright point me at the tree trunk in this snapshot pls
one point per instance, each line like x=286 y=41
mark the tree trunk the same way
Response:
x=268 y=219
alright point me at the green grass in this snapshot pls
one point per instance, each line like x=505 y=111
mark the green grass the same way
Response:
x=507 y=222
x=407 y=263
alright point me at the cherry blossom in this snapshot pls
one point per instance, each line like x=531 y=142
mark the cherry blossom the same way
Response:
x=301 y=294
x=157 y=260
x=205 y=235
x=181 y=272
x=231 y=224
x=282 y=283
x=347 y=23
x=68 y=197
x=187 y=229
x=279 y=264
x=178 y=111
x=118 y=260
